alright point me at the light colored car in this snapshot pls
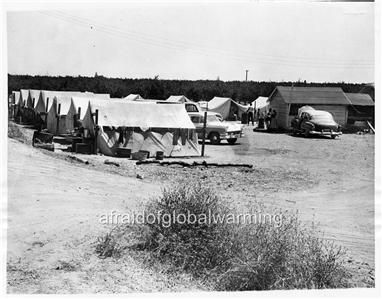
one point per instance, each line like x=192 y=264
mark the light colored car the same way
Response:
x=315 y=122
x=216 y=129
x=192 y=107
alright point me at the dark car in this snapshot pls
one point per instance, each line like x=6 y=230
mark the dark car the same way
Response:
x=315 y=122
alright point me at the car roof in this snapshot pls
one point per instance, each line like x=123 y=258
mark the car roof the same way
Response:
x=318 y=113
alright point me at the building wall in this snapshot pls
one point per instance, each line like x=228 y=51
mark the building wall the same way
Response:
x=339 y=112
x=277 y=103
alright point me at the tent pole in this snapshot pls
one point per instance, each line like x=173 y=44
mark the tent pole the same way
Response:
x=96 y=132
x=204 y=132
x=58 y=118
x=46 y=111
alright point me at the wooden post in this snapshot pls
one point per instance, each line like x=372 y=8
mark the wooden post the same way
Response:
x=204 y=132
x=58 y=118
x=46 y=114
x=96 y=132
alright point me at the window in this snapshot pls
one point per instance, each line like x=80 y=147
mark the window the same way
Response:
x=191 y=108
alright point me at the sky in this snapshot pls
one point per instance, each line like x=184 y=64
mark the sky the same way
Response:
x=316 y=42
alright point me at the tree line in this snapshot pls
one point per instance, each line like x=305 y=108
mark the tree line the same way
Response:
x=198 y=90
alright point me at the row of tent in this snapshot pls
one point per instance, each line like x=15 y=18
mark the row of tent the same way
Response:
x=130 y=122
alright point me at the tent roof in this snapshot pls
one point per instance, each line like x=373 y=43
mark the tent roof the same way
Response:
x=132 y=97
x=35 y=94
x=24 y=93
x=141 y=114
x=179 y=98
x=61 y=96
x=261 y=102
x=217 y=101
x=360 y=99
x=311 y=95
x=83 y=100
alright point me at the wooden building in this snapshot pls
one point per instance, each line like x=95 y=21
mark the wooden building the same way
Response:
x=361 y=108
x=287 y=100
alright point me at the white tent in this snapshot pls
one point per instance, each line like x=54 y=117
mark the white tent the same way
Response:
x=261 y=103
x=133 y=97
x=143 y=126
x=178 y=99
x=65 y=107
x=226 y=107
x=33 y=97
x=24 y=97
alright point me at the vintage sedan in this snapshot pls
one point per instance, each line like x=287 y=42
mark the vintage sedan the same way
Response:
x=216 y=129
x=315 y=122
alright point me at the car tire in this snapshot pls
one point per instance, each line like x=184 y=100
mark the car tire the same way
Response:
x=333 y=136
x=232 y=141
x=214 y=138
x=306 y=133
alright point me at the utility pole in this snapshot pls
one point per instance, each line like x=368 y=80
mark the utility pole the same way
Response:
x=246 y=75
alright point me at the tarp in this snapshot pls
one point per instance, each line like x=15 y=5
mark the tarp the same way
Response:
x=304 y=109
x=143 y=126
x=133 y=97
x=178 y=99
x=142 y=114
x=226 y=107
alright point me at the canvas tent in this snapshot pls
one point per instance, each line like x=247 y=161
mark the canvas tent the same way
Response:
x=226 y=107
x=33 y=98
x=178 y=99
x=24 y=97
x=142 y=126
x=133 y=97
x=64 y=110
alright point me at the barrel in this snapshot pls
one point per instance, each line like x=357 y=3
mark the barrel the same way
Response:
x=159 y=155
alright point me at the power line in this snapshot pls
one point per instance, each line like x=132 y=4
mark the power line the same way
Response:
x=175 y=45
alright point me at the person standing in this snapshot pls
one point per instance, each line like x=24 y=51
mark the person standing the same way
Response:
x=251 y=112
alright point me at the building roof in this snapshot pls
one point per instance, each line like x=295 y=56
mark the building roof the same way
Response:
x=360 y=99
x=312 y=95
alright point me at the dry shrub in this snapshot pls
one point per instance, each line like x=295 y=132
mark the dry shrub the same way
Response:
x=256 y=256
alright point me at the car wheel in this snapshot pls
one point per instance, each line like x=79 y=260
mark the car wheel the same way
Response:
x=214 y=138
x=232 y=140
x=306 y=133
x=333 y=136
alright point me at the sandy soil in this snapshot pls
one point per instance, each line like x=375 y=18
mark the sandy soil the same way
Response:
x=54 y=206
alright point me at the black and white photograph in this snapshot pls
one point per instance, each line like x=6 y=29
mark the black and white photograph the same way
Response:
x=191 y=147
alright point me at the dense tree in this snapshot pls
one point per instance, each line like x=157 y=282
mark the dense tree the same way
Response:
x=161 y=89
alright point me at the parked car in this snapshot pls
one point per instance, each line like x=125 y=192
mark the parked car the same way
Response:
x=315 y=122
x=216 y=129
x=192 y=107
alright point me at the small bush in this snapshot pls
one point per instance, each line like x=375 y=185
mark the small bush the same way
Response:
x=193 y=247
x=231 y=257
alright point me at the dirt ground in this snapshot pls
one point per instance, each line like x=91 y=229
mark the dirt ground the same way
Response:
x=54 y=205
